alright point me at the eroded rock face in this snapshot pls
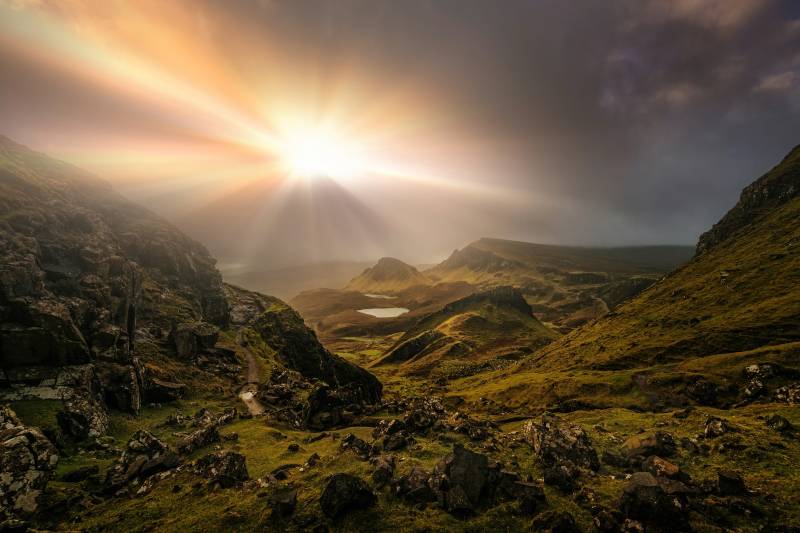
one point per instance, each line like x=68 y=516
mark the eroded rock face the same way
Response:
x=27 y=461
x=556 y=441
x=82 y=270
x=344 y=493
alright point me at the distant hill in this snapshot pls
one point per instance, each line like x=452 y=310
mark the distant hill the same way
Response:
x=472 y=329
x=288 y=282
x=566 y=285
x=388 y=276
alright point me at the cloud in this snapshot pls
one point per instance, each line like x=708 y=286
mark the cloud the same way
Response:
x=778 y=82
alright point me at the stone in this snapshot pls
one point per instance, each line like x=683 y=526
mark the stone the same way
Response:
x=661 y=467
x=414 y=487
x=199 y=439
x=644 y=499
x=344 y=493
x=555 y=522
x=160 y=391
x=715 y=427
x=226 y=468
x=660 y=443
x=563 y=476
x=144 y=456
x=384 y=470
x=780 y=424
x=555 y=441
x=358 y=446
x=80 y=474
x=730 y=483
x=82 y=418
x=27 y=461
x=283 y=502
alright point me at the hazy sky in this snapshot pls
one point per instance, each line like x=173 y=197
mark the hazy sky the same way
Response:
x=435 y=122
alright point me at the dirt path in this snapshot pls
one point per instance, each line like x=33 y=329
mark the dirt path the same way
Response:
x=248 y=392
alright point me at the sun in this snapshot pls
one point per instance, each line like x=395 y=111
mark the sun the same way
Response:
x=317 y=153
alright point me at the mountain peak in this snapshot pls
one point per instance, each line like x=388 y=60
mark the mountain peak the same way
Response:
x=388 y=275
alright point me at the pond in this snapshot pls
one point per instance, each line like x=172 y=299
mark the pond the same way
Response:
x=385 y=312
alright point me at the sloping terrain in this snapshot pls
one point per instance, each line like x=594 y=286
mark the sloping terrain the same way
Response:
x=474 y=329
x=388 y=276
x=567 y=286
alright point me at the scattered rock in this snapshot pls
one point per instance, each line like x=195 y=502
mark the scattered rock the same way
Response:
x=788 y=394
x=563 y=476
x=780 y=424
x=661 y=467
x=555 y=522
x=199 y=439
x=227 y=468
x=730 y=483
x=715 y=427
x=344 y=493
x=461 y=478
x=80 y=474
x=645 y=499
x=414 y=487
x=384 y=470
x=660 y=443
x=363 y=450
x=143 y=456
x=283 y=502
x=555 y=441
x=82 y=418
x=293 y=447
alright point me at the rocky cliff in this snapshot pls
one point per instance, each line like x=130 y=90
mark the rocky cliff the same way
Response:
x=92 y=286
x=775 y=188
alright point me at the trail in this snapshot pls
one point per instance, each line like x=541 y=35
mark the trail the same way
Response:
x=248 y=392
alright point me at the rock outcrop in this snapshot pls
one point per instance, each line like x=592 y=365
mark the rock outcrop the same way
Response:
x=27 y=461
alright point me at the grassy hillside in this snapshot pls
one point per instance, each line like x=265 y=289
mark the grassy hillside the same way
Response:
x=474 y=329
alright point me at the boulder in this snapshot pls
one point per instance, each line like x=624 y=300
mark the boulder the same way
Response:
x=414 y=487
x=555 y=522
x=662 y=468
x=384 y=470
x=563 y=476
x=160 y=391
x=358 y=446
x=660 y=443
x=226 y=468
x=191 y=338
x=80 y=474
x=780 y=424
x=556 y=441
x=143 y=456
x=344 y=493
x=82 y=417
x=199 y=439
x=730 y=483
x=27 y=461
x=462 y=479
x=283 y=502
x=645 y=499
x=715 y=427
x=120 y=386
x=788 y=394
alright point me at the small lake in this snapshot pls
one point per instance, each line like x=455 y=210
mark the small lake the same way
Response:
x=385 y=312
x=382 y=296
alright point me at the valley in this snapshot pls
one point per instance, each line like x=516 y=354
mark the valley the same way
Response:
x=565 y=389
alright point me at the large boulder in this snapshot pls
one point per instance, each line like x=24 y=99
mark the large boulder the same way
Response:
x=27 y=461
x=344 y=493
x=659 y=443
x=199 y=439
x=191 y=338
x=556 y=441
